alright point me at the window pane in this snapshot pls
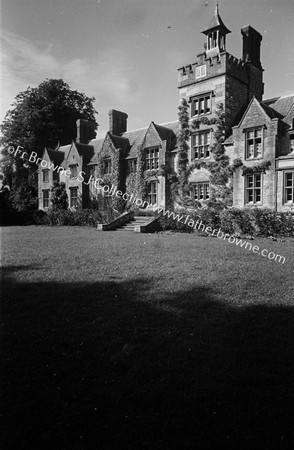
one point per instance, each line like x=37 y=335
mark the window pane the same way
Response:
x=289 y=179
x=250 y=195
x=258 y=149
x=250 y=181
x=289 y=195
x=257 y=180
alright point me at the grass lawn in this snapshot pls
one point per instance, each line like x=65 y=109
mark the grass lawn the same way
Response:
x=116 y=340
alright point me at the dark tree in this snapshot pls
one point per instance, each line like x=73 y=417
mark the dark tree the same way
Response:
x=40 y=117
x=59 y=196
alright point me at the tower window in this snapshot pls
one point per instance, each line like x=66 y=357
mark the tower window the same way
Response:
x=253 y=188
x=201 y=105
x=254 y=143
x=200 y=145
x=201 y=71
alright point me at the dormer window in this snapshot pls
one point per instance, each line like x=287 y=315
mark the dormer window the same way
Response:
x=254 y=143
x=45 y=176
x=132 y=166
x=73 y=171
x=152 y=158
x=106 y=165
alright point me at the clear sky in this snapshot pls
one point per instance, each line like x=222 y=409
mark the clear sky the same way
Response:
x=126 y=53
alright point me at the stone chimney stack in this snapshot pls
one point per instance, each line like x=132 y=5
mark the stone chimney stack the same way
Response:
x=117 y=122
x=85 y=131
x=251 y=45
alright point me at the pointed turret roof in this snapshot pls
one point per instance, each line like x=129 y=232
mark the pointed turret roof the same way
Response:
x=216 y=22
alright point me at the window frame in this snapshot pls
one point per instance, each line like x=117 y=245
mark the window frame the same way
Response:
x=195 y=145
x=254 y=143
x=132 y=166
x=196 y=110
x=253 y=188
x=200 y=71
x=285 y=188
x=71 y=197
x=45 y=175
x=152 y=195
x=152 y=160
x=107 y=166
x=196 y=188
x=46 y=199
x=73 y=169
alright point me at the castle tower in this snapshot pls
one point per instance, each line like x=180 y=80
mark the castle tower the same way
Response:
x=218 y=77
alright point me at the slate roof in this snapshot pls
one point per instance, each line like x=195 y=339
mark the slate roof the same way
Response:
x=281 y=104
x=97 y=145
x=65 y=149
x=272 y=113
x=134 y=139
x=56 y=156
x=119 y=141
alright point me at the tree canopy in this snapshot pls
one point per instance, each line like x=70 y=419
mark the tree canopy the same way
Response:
x=44 y=116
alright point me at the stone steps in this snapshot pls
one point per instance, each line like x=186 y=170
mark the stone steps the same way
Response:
x=138 y=220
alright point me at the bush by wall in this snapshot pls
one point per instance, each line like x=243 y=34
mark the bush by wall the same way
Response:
x=234 y=221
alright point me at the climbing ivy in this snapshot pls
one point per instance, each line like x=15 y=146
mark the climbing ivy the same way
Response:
x=183 y=153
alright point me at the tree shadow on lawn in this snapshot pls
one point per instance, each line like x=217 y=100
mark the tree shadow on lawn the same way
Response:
x=99 y=366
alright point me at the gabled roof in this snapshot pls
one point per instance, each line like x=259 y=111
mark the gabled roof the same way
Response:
x=84 y=150
x=97 y=145
x=134 y=140
x=270 y=112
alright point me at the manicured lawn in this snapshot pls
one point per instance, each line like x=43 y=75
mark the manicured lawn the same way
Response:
x=122 y=341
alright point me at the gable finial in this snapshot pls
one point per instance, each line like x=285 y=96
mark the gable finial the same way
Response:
x=216 y=9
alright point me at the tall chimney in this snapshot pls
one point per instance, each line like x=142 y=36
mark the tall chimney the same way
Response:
x=85 y=131
x=117 y=122
x=251 y=45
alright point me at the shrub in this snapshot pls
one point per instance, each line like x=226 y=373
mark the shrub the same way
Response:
x=269 y=223
x=80 y=217
x=236 y=221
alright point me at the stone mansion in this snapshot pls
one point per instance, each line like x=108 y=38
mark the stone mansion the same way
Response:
x=258 y=132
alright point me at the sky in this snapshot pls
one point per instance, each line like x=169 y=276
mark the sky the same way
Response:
x=126 y=53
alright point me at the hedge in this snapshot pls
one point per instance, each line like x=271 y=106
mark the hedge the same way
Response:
x=234 y=221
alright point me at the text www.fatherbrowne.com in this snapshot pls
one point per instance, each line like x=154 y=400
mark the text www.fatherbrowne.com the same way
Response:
x=132 y=198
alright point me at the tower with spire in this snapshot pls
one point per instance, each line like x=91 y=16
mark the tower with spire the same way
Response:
x=216 y=35
x=217 y=77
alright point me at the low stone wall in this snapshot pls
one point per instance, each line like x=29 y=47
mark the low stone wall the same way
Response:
x=119 y=221
x=150 y=227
